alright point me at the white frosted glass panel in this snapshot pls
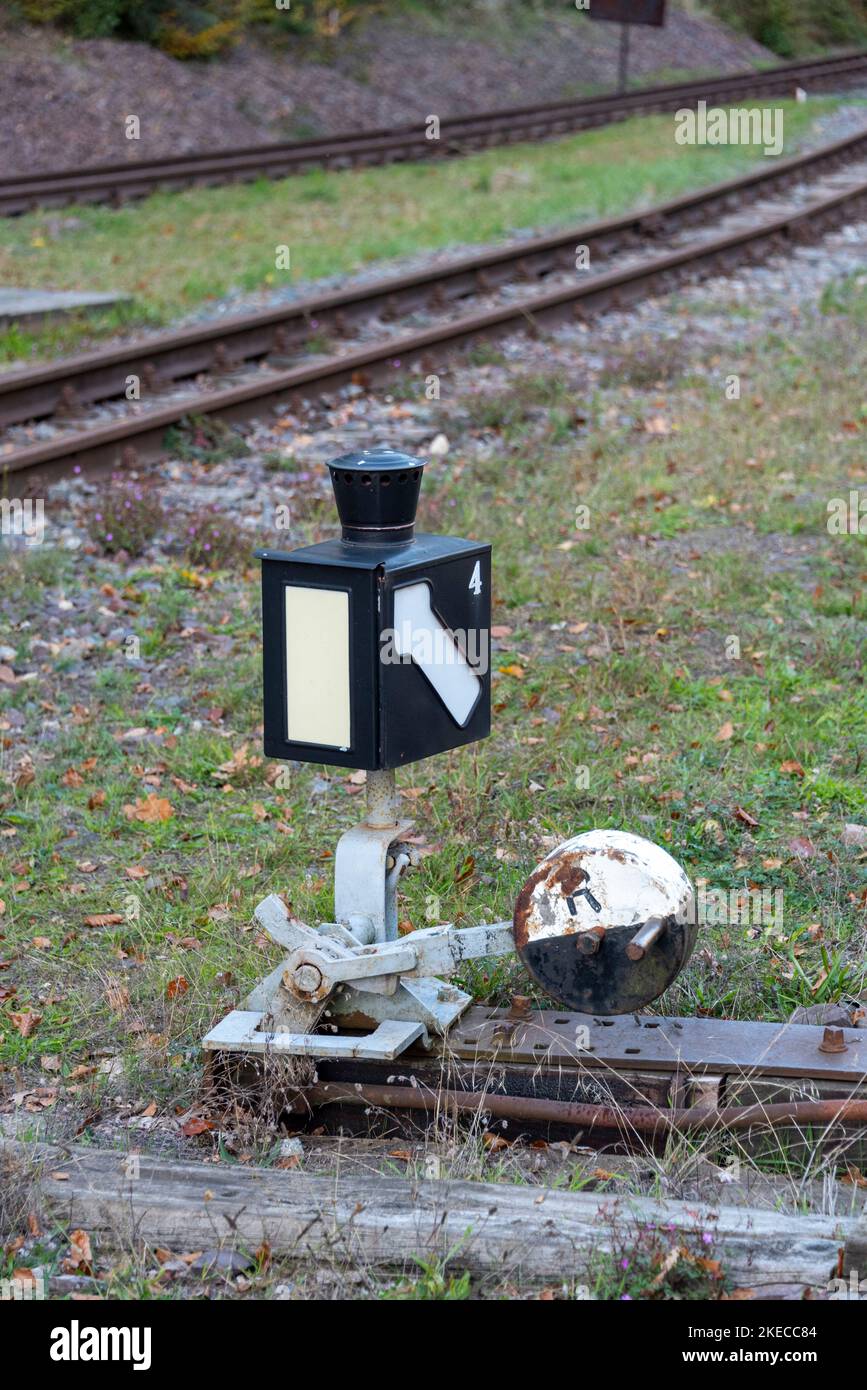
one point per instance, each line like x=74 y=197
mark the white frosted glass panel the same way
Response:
x=317 y=666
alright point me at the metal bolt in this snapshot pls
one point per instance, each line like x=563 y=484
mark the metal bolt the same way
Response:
x=308 y=978
x=644 y=938
x=833 y=1041
x=588 y=942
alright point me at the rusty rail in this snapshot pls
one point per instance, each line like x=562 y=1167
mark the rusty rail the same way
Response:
x=139 y=439
x=115 y=183
x=643 y=1119
x=161 y=359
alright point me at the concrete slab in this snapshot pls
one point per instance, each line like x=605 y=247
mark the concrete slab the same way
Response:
x=31 y=307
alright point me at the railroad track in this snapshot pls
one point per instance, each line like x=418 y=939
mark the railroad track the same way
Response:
x=267 y=359
x=117 y=183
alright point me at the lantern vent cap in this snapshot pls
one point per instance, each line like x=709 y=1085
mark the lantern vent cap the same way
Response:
x=376 y=491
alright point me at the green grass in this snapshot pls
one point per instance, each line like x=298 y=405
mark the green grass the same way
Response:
x=173 y=252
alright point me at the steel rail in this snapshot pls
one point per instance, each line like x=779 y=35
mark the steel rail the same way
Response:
x=137 y=439
x=643 y=1119
x=458 y=134
x=163 y=358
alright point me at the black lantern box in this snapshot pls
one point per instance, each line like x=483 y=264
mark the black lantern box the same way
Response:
x=376 y=644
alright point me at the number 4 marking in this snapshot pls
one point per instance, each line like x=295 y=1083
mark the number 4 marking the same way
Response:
x=476 y=579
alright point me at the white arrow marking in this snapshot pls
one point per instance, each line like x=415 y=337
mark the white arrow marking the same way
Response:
x=420 y=634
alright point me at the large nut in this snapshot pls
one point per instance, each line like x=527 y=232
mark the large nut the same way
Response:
x=308 y=978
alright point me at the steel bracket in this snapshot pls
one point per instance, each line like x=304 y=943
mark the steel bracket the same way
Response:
x=356 y=973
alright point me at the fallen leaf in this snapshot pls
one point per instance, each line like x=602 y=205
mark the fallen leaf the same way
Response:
x=666 y=1267
x=104 y=919
x=80 y=1255
x=724 y=732
x=197 y=1124
x=854 y=1177
x=176 y=987
x=513 y=670
x=466 y=869
x=500 y=630
x=26 y=1023
x=151 y=809
x=793 y=767
x=745 y=817
x=494 y=1142
x=136 y=871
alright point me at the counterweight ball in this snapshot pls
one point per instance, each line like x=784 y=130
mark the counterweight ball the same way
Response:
x=606 y=922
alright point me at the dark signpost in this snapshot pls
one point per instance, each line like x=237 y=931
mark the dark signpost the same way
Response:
x=624 y=13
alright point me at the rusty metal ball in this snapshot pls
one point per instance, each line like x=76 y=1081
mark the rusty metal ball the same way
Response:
x=606 y=922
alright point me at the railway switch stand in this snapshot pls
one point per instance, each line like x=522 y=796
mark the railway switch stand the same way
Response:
x=376 y=652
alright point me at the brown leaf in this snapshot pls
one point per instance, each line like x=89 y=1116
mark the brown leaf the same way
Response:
x=176 y=987
x=71 y=778
x=792 y=766
x=151 y=809
x=494 y=1142
x=136 y=871
x=80 y=1255
x=104 y=919
x=513 y=670
x=745 y=817
x=500 y=630
x=95 y=800
x=854 y=1177
x=197 y=1124
x=466 y=869
x=26 y=1023
x=724 y=732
